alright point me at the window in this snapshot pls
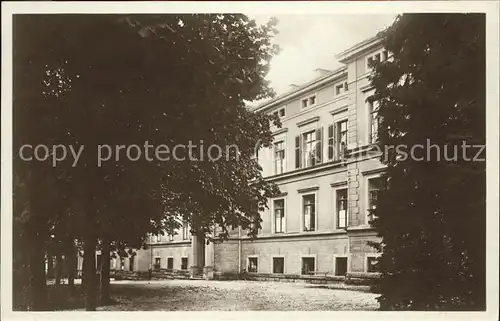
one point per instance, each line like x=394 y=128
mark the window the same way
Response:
x=122 y=264
x=378 y=56
x=370 y=61
x=278 y=265
x=279 y=157
x=374 y=121
x=184 y=263
x=280 y=112
x=158 y=238
x=253 y=264
x=342 y=134
x=339 y=89
x=170 y=263
x=131 y=263
x=385 y=55
x=372 y=264
x=337 y=139
x=171 y=237
x=340 y=266
x=309 y=148
x=374 y=185
x=279 y=215
x=341 y=208
x=346 y=87
x=255 y=155
x=309 y=101
x=185 y=231
x=309 y=212
x=157 y=264
x=308 y=265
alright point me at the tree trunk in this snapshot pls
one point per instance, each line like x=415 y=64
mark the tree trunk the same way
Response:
x=38 y=277
x=89 y=272
x=59 y=269
x=83 y=274
x=71 y=262
x=105 y=262
x=50 y=266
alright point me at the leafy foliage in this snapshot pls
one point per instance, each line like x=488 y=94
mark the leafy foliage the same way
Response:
x=431 y=213
x=137 y=80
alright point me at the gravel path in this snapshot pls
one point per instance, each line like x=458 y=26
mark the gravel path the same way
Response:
x=200 y=295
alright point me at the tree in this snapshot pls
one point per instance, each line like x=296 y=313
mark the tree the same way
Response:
x=431 y=211
x=156 y=79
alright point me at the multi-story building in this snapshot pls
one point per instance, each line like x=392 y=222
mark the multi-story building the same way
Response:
x=322 y=162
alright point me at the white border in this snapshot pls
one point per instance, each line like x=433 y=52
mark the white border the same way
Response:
x=383 y=7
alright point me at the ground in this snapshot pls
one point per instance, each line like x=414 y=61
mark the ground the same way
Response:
x=192 y=295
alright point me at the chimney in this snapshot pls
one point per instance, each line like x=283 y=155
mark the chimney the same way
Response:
x=322 y=72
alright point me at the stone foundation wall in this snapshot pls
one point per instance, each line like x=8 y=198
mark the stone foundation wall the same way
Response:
x=226 y=256
x=162 y=274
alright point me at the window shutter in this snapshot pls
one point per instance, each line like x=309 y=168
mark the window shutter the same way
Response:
x=335 y=141
x=297 y=152
x=284 y=156
x=319 y=146
x=330 y=142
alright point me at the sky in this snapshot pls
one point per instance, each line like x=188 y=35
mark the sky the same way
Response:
x=310 y=41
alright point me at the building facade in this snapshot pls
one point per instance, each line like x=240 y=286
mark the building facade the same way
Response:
x=323 y=162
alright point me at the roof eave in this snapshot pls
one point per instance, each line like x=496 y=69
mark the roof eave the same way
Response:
x=338 y=73
x=353 y=52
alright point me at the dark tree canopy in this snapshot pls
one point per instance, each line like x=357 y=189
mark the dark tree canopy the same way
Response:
x=431 y=213
x=90 y=80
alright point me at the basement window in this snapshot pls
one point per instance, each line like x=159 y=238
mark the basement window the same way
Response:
x=253 y=264
x=157 y=264
x=170 y=263
x=372 y=264
x=340 y=266
x=184 y=263
x=308 y=265
x=278 y=265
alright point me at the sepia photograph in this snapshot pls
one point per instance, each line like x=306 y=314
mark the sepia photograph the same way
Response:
x=321 y=157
